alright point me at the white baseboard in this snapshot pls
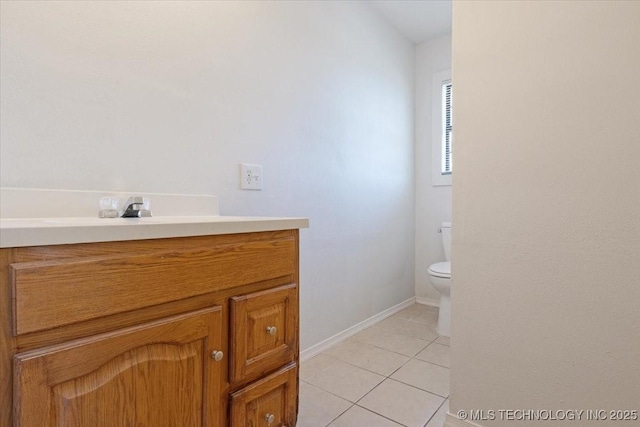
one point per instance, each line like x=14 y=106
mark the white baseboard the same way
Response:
x=331 y=341
x=428 y=301
x=453 y=421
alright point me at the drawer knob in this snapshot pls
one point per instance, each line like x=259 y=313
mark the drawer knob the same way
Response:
x=269 y=418
x=271 y=330
x=217 y=355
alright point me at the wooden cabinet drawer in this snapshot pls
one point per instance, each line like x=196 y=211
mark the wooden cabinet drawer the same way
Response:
x=269 y=402
x=263 y=332
x=74 y=283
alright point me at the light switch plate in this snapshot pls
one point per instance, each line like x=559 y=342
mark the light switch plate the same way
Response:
x=250 y=177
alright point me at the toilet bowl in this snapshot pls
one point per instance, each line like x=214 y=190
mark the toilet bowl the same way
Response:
x=440 y=277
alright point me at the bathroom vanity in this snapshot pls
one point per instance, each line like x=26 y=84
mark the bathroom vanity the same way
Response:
x=155 y=329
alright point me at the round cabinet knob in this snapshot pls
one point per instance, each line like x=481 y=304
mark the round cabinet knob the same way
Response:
x=269 y=418
x=217 y=355
x=271 y=330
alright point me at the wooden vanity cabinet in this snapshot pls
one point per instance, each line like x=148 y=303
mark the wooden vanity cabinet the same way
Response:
x=195 y=331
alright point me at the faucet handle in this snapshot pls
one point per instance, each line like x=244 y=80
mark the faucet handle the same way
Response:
x=108 y=207
x=136 y=207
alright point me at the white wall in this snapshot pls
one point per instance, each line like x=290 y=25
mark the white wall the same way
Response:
x=546 y=207
x=170 y=97
x=433 y=204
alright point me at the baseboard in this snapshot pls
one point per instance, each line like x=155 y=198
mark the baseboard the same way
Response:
x=330 y=342
x=428 y=301
x=453 y=421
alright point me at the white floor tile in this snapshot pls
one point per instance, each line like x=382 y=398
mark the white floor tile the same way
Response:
x=344 y=349
x=318 y=407
x=402 y=403
x=315 y=365
x=439 y=417
x=416 y=330
x=431 y=307
x=346 y=381
x=443 y=340
x=427 y=318
x=398 y=343
x=369 y=334
x=411 y=311
x=424 y=375
x=360 y=417
x=436 y=353
x=367 y=357
x=390 y=323
x=346 y=386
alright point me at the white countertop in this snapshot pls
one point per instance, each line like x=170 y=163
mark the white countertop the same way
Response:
x=37 y=217
x=21 y=232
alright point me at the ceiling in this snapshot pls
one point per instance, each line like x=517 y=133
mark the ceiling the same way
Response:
x=417 y=20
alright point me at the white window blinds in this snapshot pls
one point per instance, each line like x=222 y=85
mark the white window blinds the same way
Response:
x=446 y=129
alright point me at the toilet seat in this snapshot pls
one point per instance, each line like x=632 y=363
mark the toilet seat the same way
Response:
x=441 y=269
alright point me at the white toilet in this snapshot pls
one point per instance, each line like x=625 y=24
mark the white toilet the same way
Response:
x=440 y=276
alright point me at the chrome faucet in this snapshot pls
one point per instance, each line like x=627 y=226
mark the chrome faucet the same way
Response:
x=134 y=207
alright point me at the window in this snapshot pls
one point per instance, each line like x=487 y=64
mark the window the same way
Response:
x=441 y=129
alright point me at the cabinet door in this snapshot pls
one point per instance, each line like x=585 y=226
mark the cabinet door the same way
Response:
x=157 y=374
x=263 y=331
x=269 y=402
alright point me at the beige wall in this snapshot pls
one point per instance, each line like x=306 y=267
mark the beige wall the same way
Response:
x=546 y=207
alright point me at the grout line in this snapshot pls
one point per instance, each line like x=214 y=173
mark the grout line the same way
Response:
x=331 y=393
x=409 y=385
x=389 y=377
x=385 y=417
x=395 y=352
x=373 y=372
x=341 y=413
x=367 y=393
x=433 y=363
x=368 y=370
x=434 y=414
x=421 y=389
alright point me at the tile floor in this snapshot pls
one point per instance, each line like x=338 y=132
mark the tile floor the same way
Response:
x=394 y=373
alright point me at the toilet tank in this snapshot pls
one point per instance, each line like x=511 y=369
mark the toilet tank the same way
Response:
x=445 y=227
